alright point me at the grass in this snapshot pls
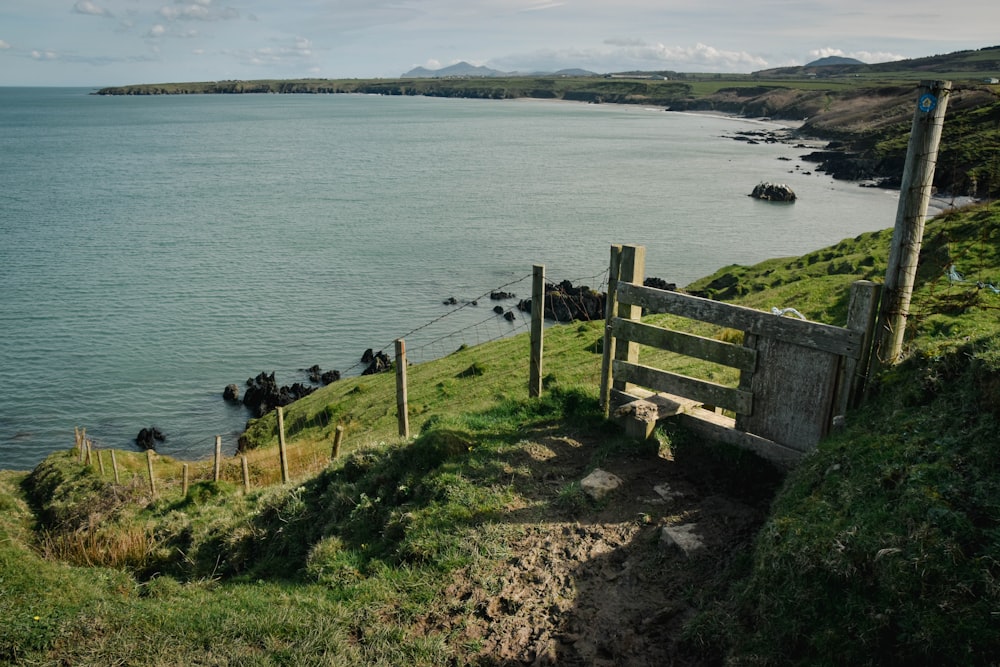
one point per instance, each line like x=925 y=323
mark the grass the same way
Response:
x=880 y=548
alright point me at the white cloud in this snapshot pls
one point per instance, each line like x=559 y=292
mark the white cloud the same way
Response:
x=44 y=55
x=200 y=10
x=89 y=8
x=4 y=45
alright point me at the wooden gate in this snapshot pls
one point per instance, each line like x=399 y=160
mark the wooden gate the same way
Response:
x=795 y=376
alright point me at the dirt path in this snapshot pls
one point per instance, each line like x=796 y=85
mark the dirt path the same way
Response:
x=603 y=585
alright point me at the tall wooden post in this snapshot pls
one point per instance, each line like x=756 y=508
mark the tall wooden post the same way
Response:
x=282 y=450
x=914 y=196
x=633 y=270
x=537 y=330
x=218 y=457
x=83 y=445
x=185 y=478
x=402 y=409
x=100 y=462
x=610 y=310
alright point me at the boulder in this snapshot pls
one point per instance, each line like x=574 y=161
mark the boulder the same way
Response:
x=684 y=538
x=600 y=483
x=773 y=192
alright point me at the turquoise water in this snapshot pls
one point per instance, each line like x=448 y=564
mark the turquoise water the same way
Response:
x=155 y=249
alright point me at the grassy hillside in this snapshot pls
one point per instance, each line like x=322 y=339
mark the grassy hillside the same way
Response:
x=474 y=544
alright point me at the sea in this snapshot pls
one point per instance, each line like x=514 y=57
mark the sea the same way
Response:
x=155 y=249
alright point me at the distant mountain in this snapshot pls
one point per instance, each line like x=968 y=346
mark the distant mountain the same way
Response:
x=464 y=70
x=834 y=60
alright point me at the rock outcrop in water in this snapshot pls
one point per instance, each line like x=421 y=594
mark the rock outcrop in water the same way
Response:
x=263 y=394
x=148 y=437
x=773 y=192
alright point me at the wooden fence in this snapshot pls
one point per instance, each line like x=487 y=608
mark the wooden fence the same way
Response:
x=795 y=377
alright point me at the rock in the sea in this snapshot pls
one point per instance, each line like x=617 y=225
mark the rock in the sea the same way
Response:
x=231 y=393
x=565 y=303
x=773 y=192
x=378 y=363
x=263 y=394
x=148 y=437
x=329 y=377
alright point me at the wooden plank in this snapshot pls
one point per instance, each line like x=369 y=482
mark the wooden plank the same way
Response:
x=796 y=384
x=809 y=334
x=716 y=427
x=682 y=385
x=690 y=345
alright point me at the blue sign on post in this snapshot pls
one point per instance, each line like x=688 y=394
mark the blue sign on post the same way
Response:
x=927 y=103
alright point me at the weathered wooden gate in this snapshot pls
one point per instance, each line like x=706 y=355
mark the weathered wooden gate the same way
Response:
x=795 y=376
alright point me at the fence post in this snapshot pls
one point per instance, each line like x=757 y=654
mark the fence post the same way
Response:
x=149 y=467
x=338 y=438
x=218 y=457
x=402 y=409
x=100 y=462
x=282 y=451
x=608 y=348
x=914 y=196
x=246 y=473
x=862 y=313
x=90 y=458
x=537 y=330
x=114 y=467
x=184 y=480
x=76 y=438
x=83 y=445
x=633 y=270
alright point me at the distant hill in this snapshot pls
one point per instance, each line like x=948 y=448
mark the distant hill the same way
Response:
x=960 y=64
x=834 y=60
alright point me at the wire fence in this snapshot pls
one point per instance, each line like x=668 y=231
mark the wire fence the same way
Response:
x=571 y=299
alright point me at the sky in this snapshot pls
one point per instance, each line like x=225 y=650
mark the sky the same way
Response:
x=117 y=42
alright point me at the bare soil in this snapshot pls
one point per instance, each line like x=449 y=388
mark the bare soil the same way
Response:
x=596 y=583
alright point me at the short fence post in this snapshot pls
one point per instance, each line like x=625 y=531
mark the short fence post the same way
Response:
x=537 y=330
x=246 y=473
x=338 y=438
x=83 y=445
x=149 y=467
x=90 y=459
x=218 y=457
x=184 y=480
x=610 y=308
x=402 y=409
x=114 y=467
x=100 y=462
x=76 y=438
x=282 y=451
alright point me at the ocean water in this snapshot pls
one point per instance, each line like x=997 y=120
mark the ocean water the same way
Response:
x=156 y=249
